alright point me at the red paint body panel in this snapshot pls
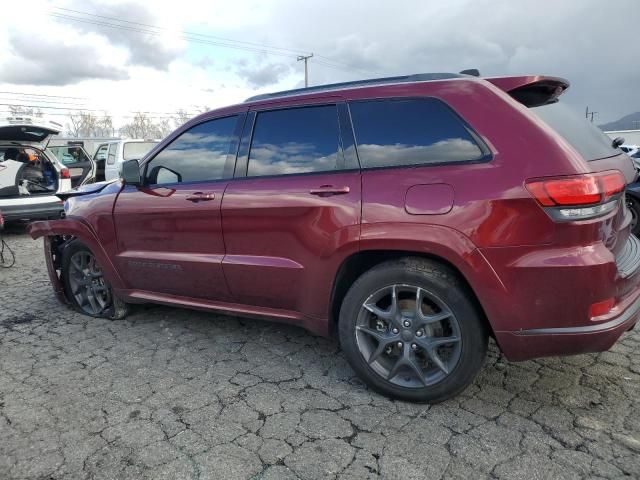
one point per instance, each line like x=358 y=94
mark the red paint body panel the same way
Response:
x=170 y=245
x=268 y=246
x=285 y=245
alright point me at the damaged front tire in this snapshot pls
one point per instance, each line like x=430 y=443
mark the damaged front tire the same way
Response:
x=85 y=286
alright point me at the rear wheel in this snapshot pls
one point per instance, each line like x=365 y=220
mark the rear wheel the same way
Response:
x=85 y=285
x=410 y=330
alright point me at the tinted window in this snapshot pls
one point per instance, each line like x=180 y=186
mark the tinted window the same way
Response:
x=199 y=154
x=136 y=150
x=584 y=136
x=296 y=140
x=410 y=132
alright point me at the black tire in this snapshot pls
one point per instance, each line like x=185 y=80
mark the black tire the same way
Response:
x=432 y=278
x=634 y=207
x=110 y=307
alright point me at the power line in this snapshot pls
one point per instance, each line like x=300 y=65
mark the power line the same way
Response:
x=215 y=37
x=58 y=114
x=182 y=36
x=101 y=110
x=42 y=95
x=57 y=102
x=200 y=38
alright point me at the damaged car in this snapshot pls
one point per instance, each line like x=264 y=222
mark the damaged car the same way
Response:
x=31 y=174
x=411 y=217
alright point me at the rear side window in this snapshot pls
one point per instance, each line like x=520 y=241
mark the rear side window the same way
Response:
x=296 y=140
x=590 y=142
x=197 y=155
x=411 y=132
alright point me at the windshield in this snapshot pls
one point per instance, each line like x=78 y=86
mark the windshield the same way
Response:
x=68 y=155
x=136 y=150
x=584 y=136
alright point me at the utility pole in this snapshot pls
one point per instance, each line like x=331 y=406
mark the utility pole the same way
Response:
x=306 y=69
x=588 y=114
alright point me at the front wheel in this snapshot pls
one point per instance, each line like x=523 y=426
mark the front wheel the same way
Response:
x=411 y=331
x=85 y=285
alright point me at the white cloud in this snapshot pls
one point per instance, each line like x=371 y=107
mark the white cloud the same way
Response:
x=588 y=41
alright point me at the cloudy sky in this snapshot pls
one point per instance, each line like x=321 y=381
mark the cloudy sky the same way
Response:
x=126 y=56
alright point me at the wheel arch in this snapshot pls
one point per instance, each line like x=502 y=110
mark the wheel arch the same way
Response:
x=76 y=228
x=358 y=263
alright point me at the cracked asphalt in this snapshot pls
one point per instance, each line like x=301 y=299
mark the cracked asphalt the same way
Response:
x=171 y=393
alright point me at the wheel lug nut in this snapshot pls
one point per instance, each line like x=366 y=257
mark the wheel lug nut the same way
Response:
x=413 y=346
x=395 y=330
x=407 y=323
x=419 y=333
x=399 y=344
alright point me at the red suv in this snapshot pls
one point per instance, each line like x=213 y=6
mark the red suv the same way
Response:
x=413 y=217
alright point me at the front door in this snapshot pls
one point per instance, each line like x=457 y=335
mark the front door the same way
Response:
x=293 y=210
x=168 y=231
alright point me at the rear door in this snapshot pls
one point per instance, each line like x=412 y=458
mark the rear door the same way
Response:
x=169 y=235
x=100 y=158
x=82 y=168
x=292 y=209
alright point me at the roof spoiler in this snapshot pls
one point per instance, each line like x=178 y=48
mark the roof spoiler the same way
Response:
x=532 y=90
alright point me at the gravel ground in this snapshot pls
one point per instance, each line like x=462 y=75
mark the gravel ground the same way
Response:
x=170 y=393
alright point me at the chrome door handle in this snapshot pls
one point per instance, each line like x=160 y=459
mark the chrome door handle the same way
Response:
x=328 y=190
x=201 y=197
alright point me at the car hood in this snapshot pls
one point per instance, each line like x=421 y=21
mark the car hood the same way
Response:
x=85 y=190
x=28 y=132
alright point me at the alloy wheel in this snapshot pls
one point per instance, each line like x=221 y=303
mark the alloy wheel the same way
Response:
x=408 y=336
x=88 y=287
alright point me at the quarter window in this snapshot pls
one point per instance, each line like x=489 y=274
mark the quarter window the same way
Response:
x=410 y=132
x=199 y=154
x=297 y=140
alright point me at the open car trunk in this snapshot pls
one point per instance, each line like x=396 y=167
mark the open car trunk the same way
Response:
x=25 y=173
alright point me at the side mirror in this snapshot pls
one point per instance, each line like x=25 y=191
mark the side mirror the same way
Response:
x=131 y=173
x=617 y=142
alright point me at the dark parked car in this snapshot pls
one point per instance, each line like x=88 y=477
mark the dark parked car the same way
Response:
x=633 y=195
x=413 y=217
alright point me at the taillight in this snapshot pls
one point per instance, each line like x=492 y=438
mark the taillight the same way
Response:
x=64 y=173
x=588 y=195
x=601 y=308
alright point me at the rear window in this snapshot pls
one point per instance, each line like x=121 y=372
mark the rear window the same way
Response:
x=584 y=136
x=411 y=132
x=296 y=140
x=136 y=150
x=69 y=155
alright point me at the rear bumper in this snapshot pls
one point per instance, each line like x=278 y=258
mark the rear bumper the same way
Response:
x=545 y=306
x=544 y=342
x=34 y=211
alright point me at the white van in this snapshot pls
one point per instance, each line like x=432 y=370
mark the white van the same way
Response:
x=110 y=155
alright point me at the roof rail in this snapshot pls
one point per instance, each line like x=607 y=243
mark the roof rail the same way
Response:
x=417 y=77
